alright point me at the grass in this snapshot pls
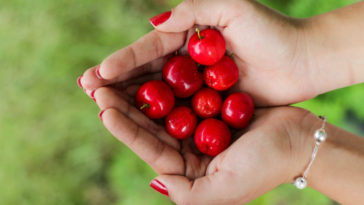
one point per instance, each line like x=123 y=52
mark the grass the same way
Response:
x=53 y=149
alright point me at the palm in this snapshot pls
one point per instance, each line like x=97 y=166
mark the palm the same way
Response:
x=182 y=157
x=272 y=69
x=194 y=163
x=165 y=154
x=272 y=77
x=262 y=146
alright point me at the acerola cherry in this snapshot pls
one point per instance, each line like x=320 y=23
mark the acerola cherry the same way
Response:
x=207 y=103
x=212 y=137
x=182 y=75
x=222 y=75
x=206 y=47
x=181 y=122
x=237 y=110
x=155 y=99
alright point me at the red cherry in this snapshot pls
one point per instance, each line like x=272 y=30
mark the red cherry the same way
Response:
x=206 y=47
x=237 y=110
x=181 y=122
x=207 y=103
x=182 y=75
x=155 y=99
x=212 y=137
x=222 y=75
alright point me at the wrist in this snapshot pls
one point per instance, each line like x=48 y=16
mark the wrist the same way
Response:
x=334 y=50
x=306 y=59
x=339 y=163
x=303 y=143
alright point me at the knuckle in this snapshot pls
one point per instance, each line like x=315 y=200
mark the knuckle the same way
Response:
x=133 y=56
x=158 y=46
x=160 y=147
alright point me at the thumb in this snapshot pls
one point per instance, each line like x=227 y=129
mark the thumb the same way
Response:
x=210 y=189
x=202 y=12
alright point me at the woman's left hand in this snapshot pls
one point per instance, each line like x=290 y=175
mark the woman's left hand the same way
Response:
x=262 y=157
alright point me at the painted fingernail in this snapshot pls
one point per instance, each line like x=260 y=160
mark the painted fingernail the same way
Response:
x=100 y=114
x=158 y=186
x=160 y=18
x=79 y=81
x=92 y=94
x=97 y=72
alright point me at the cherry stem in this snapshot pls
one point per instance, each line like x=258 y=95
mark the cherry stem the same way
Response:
x=144 y=106
x=199 y=34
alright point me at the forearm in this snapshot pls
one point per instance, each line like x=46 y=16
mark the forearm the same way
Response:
x=338 y=171
x=336 y=45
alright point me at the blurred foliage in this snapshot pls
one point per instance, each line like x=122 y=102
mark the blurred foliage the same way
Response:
x=53 y=148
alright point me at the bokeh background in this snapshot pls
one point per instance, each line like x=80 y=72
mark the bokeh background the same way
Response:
x=53 y=148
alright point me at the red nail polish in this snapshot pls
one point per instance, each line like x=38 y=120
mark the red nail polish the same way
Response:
x=160 y=18
x=79 y=81
x=92 y=94
x=97 y=72
x=158 y=186
x=100 y=114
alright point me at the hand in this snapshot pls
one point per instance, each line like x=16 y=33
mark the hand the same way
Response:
x=261 y=158
x=269 y=49
x=278 y=65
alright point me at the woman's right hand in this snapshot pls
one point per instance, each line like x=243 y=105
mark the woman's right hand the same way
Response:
x=269 y=48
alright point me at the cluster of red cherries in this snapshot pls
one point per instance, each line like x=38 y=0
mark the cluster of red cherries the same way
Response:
x=183 y=80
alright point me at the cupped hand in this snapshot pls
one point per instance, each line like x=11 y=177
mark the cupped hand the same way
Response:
x=262 y=157
x=269 y=48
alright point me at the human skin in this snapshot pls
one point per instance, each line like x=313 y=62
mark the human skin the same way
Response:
x=281 y=61
x=274 y=149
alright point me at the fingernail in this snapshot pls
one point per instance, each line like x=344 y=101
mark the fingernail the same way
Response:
x=79 y=81
x=160 y=18
x=158 y=186
x=92 y=94
x=100 y=114
x=97 y=72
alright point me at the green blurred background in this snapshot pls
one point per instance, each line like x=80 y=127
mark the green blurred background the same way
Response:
x=53 y=148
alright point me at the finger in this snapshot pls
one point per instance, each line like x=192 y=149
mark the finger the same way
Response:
x=108 y=98
x=160 y=156
x=202 y=12
x=210 y=189
x=127 y=94
x=150 y=47
x=138 y=80
x=92 y=80
x=128 y=89
x=89 y=79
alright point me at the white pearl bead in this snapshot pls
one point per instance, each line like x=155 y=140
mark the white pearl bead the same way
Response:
x=320 y=135
x=300 y=183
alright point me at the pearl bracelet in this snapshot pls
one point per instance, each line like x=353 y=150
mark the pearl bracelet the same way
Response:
x=320 y=135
